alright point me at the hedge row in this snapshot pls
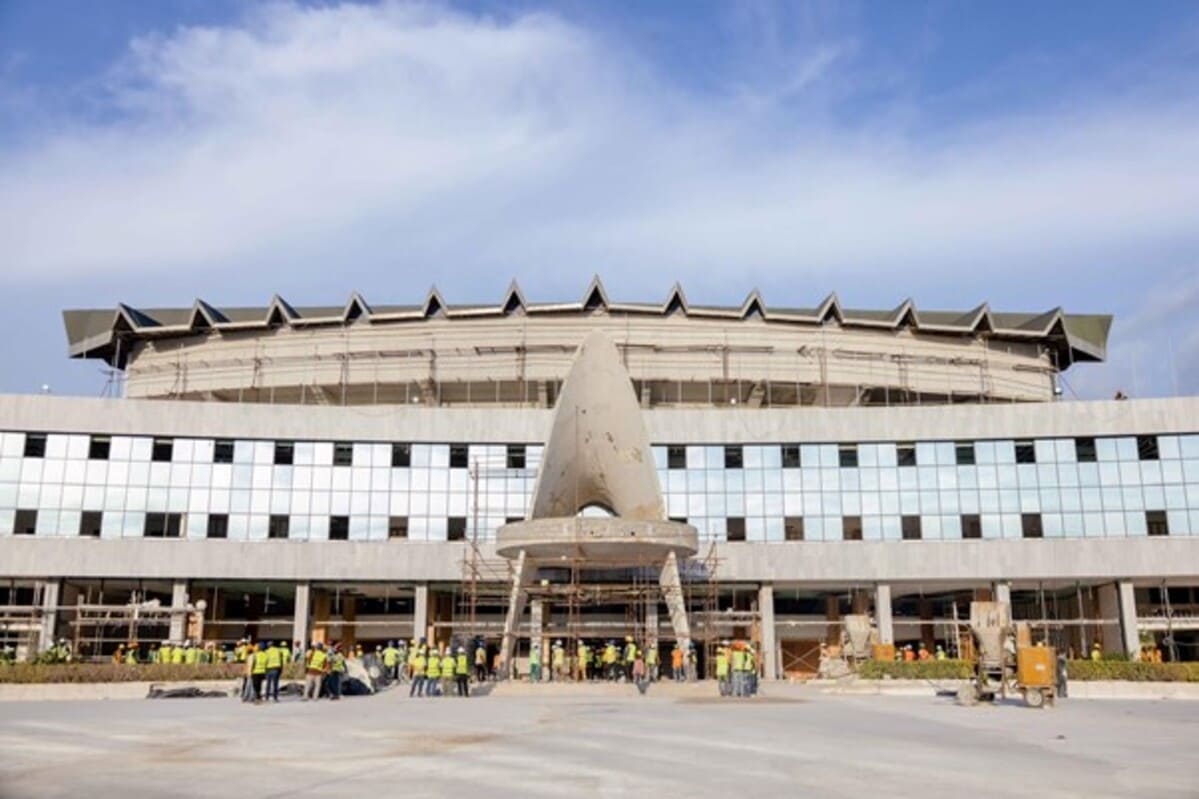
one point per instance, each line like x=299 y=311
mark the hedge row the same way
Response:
x=915 y=670
x=142 y=672
x=1081 y=670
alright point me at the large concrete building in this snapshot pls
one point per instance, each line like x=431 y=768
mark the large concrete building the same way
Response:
x=342 y=472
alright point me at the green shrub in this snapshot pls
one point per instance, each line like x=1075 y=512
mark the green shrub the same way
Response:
x=119 y=672
x=915 y=670
x=1132 y=671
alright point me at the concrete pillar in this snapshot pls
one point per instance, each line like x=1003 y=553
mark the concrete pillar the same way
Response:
x=1002 y=591
x=1128 y=619
x=349 y=614
x=832 y=612
x=521 y=574
x=771 y=660
x=49 y=630
x=928 y=634
x=420 y=613
x=299 y=624
x=537 y=635
x=178 y=610
x=1117 y=601
x=882 y=614
x=672 y=592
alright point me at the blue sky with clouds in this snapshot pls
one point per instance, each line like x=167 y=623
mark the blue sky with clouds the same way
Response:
x=1028 y=154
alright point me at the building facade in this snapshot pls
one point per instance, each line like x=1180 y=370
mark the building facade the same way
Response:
x=894 y=463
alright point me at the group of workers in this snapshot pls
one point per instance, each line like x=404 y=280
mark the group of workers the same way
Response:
x=737 y=669
x=907 y=654
x=436 y=670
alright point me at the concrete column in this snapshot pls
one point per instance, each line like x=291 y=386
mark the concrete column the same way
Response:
x=882 y=614
x=1118 y=601
x=928 y=635
x=521 y=573
x=299 y=624
x=537 y=635
x=832 y=612
x=178 y=610
x=672 y=592
x=349 y=614
x=1128 y=619
x=420 y=613
x=49 y=630
x=770 y=654
x=1002 y=591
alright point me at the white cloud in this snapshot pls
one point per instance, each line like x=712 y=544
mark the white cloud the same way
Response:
x=415 y=132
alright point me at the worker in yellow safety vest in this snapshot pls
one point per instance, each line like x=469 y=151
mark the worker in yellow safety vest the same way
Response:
x=447 y=670
x=417 y=663
x=433 y=673
x=582 y=660
x=610 y=661
x=651 y=663
x=257 y=664
x=131 y=654
x=630 y=655
x=739 y=674
x=722 y=669
x=1096 y=651
x=751 y=670
x=315 y=668
x=462 y=672
x=391 y=660
x=480 y=663
x=274 y=669
x=337 y=672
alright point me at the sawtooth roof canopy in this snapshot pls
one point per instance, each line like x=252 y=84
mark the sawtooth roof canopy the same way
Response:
x=106 y=333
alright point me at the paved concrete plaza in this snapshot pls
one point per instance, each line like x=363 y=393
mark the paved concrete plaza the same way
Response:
x=529 y=743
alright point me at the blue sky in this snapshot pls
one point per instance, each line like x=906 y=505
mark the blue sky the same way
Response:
x=1027 y=154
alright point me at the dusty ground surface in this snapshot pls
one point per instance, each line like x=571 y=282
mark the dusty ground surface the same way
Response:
x=529 y=743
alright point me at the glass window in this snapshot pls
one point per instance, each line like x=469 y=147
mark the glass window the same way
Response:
x=401 y=456
x=285 y=454
x=905 y=454
x=734 y=525
x=851 y=528
x=90 y=523
x=343 y=454
x=793 y=528
x=397 y=527
x=161 y=450
x=972 y=526
x=339 y=528
x=516 y=456
x=222 y=451
x=676 y=457
x=1026 y=451
x=459 y=456
x=963 y=453
x=911 y=528
x=35 y=445
x=733 y=459
x=847 y=455
x=98 y=448
x=1147 y=449
x=791 y=458
x=278 y=526
x=1030 y=525
x=1156 y=522
x=1085 y=450
x=218 y=524
x=456 y=528
x=162 y=525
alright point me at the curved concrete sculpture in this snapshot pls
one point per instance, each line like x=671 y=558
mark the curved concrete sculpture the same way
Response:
x=597 y=454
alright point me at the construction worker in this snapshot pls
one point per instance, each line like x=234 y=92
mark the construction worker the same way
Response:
x=255 y=669
x=285 y=651
x=391 y=660
x=315 y=668
x=751 y=670
x=692 y=662
x=131 y=654
x=119 y=655
x=164 y=652
x=239 y=651
x=462 y=672
x=610 y=658
x=651 y=663
x=924 y=654
x=448 y=671
x=722 y=669
x=908 y=654
x=676 y=663
x=1096 y=651
x=630 y=655
x=582 y=660
x=535 y=662
x=417 y=664
x=357 y=652
x=274 y=668
x=558 y=662
x=433 y=673
x=480 y=662
x=738 y=669
x=940 y=653
x=337 y=670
